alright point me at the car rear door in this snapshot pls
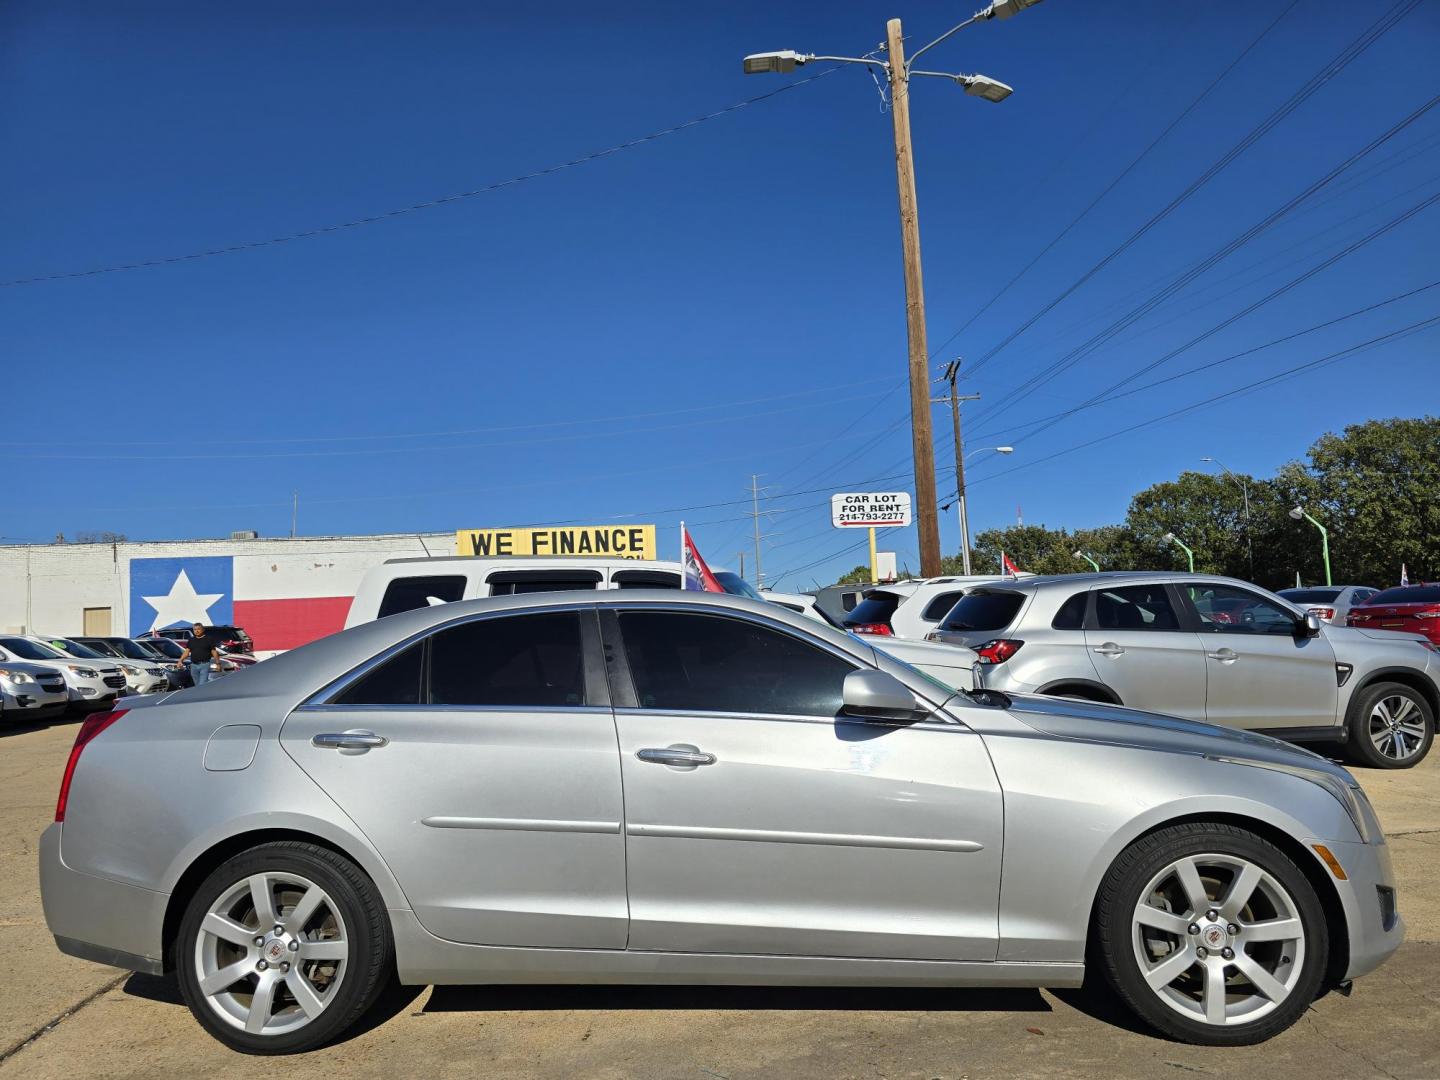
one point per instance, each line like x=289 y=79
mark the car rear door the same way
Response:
x=1261 y=673
x=758 y=821
x=1143 y=651
x=481 y=761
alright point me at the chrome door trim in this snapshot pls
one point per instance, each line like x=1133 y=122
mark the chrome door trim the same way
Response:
x=941 y=723
x=348 y=709
x=774 y=836
x=440 y=821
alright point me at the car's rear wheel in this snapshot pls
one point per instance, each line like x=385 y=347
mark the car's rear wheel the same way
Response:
x=1211 y=934
x=1391 y=727
x=282 y=948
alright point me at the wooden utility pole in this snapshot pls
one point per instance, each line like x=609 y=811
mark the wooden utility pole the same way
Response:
x=926 y=513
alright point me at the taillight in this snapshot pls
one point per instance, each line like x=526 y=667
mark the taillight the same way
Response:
x=91 y=728
x=871 y=628
x=1326 y=613
x=1432 y=613
x=998 y=650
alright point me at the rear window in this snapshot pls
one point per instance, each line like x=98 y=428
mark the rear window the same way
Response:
x=1309 y=596
x=878 y=607
x=1407 y=594
x=410 y=593
x=980 y=610
x=938 y=608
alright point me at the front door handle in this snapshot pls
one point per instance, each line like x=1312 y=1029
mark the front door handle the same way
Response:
x=681 y=756
x=1225 y=656
x=349 y=740
x=1109 y=649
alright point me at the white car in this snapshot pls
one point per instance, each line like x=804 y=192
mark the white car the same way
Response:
x=143 y=672
x=31 y=691
x=801 y=603
x=910 y=609
x=952 y=665
x=92 y=681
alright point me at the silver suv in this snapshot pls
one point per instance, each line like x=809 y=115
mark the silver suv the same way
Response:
x=1205 y=648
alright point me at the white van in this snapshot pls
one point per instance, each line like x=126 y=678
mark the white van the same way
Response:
x=405 y=584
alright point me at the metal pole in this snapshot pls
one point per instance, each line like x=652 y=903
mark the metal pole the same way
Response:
x=926 y=513
x=1088 y=559
x=294 y=511
x=874 y=559
x=755 y=511
x=953 y=373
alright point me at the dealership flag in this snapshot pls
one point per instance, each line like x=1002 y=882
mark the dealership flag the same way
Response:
x=1404 y=576
x=697 y=574
x=1008 y=567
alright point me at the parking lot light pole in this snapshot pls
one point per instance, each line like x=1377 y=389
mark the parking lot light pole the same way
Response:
x=1171 y=538
x=1298 y=513
x=899 y=73
x=1087 y=558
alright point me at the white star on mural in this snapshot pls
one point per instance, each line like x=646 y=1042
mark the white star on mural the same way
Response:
x=182 y=605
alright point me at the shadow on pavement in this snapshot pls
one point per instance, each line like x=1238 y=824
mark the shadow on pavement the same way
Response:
x=11 y=725
x=758 y=998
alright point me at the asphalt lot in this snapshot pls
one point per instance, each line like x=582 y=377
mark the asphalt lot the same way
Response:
x=67 y=1018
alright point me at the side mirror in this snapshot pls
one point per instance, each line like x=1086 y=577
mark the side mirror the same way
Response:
x=877 y=695
x=1312 y=624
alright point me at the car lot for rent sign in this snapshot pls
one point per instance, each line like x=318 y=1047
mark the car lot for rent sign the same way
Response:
x=620 y=541
x=870 y=510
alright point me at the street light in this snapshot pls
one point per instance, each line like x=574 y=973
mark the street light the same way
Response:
x=1171 y=538
x=960 y=462
x=1087 y=558
x=992 y=449
x=1245 y=491
x=1298 y=513
x=899 y=73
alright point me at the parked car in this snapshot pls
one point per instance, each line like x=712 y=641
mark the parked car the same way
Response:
x=909 y=609
x=952 y=665
x=1331 y=602
x=231 y=638
x=92 y=681
x=1411 y=609
x=438 y=795
x=143 y=673
x=1205 y=648
x=803 y=603
x=407 y=584
x=169 y=651
x=837 y=601
x=32 y=692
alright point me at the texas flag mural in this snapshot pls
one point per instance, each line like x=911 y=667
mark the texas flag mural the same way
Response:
x=271 y=597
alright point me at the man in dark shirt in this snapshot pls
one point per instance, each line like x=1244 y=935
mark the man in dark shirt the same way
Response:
x=198 y=654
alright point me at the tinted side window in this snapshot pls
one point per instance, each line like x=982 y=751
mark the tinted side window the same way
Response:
x=1071 y=615
x=981 y=610
x=1135 y=607
x=510 y=582
x=1224 y=609
x=716 y=664
x=646 y=579
x=938 y=608
x=512 y=660
x=395 y=682
x=408 y=594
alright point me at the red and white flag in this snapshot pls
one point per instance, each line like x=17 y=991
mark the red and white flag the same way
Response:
x=1404 y=576
x=1008 y=567
x=697 y=574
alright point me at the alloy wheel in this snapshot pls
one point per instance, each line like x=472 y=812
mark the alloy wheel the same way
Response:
x=271 y=953
x=1397 y=727
x=1218 y=939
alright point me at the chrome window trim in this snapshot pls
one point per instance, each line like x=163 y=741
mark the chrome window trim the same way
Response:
x=329 y=707
x=341 y=683
x=945 y=724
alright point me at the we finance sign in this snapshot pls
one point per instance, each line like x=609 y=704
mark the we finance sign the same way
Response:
x=616 y=541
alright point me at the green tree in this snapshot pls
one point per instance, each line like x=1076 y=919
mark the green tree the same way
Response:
x=1030 y=547
x=859 y=576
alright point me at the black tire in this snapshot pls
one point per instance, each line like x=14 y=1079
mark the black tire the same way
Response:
x=1361 y=748
x=1113 y=928
x=369 y=964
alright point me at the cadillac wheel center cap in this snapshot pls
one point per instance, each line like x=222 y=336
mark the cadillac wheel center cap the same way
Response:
x=1215 y=938
x=275 y=950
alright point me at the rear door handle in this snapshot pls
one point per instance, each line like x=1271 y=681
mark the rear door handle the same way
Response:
x=681 y=756
x=349 y=740
x=1109 y=649
x=1225 y=656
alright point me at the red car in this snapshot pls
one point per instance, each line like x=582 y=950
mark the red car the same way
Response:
x=1412 y=608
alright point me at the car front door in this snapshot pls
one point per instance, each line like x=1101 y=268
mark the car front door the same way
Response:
x=492 y=783
x=1262 y=673
x=760 y=821
x=1143 y=653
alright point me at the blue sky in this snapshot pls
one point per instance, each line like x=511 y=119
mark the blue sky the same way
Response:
x=643 y=332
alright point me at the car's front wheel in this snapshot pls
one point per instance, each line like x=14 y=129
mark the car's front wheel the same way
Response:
x=1211 y=934
x=282 y=948
x=1391 y=727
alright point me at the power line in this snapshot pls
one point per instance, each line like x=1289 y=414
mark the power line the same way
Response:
x=428 y=204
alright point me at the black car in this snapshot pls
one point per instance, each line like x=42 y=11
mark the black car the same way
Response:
x=231 y=638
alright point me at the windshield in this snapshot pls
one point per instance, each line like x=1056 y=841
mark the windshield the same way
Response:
x=75 y=649
x=735 y=585
x=166 y=647
x=27 y=649
x=132 y=649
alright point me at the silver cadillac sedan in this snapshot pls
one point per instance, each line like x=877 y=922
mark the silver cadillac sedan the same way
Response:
x=665 y=787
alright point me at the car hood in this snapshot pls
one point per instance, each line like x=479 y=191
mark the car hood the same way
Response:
x=1083 y=721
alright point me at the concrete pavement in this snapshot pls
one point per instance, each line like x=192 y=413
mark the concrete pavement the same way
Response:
x=66 y=1018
